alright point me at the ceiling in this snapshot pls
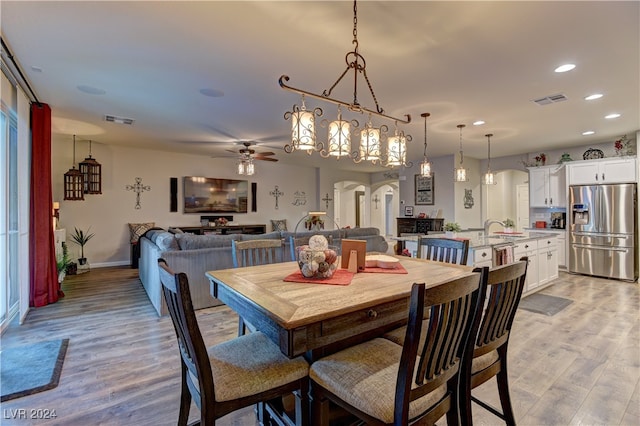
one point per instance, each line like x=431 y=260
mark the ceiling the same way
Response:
x=459 y=61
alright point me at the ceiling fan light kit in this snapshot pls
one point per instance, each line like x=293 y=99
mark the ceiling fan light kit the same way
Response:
x=339 y=141
x=245 y=165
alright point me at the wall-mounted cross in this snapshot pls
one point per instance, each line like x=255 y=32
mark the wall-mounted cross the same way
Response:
x=326 y=200
x=376 y=200
x=138 y=188
x=276 y=193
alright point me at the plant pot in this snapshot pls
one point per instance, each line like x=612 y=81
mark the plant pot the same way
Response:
x=508 y=230
x=82 y=260
x=61 y=276
x=450 y=234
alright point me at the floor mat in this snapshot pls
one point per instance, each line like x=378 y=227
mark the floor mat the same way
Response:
x=25 y=370
x=544 y=304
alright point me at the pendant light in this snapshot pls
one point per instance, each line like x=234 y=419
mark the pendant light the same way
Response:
x=303 y=129
x=425 y=166
x=91 y=174
x=73 y=181
x=397 y=149
x=489 y=177
x=461 y=173
x=370 y=143
x=339 y=139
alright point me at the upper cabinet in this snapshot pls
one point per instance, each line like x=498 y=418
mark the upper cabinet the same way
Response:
x=607 y=170
x=547 y=186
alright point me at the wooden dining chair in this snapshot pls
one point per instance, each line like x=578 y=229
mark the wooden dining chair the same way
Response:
x=382 y=383
x=500 y=300
x=238 y=373
x=253 y=253
x=443 y=250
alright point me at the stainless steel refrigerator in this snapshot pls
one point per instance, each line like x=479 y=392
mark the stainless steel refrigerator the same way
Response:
x=604 y=231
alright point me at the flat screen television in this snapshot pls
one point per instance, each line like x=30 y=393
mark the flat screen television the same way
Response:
x=211 y=195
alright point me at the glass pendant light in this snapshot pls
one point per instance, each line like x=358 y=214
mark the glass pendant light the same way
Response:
x=425 y=166
x=303 y=128
x=339 y=142
x=397 y=149
x=370 y=142
x=489 y=177
x=461 y=173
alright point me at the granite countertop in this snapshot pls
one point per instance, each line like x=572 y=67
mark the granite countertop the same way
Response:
x=477 y=239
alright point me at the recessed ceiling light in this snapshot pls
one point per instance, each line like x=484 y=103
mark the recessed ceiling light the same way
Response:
x=212 y=93
x=565 y=68
x=91 y=90
x=592 y=97
x=478 y=123
x=588 y=132
x=610 y=116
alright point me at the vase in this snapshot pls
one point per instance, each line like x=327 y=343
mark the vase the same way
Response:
x=450 y=234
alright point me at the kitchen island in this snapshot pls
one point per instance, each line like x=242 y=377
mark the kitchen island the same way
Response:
x=484 y=250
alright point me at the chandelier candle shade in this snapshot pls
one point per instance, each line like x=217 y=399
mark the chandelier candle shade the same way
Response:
x=303 y=131
x=489 y=177
x=73 y=180
x=91 y=174
x=460 y=174
x=425 y=166
x=397 y=149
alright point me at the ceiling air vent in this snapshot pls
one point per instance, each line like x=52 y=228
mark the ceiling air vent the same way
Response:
x=550 y=99
x=118 y=120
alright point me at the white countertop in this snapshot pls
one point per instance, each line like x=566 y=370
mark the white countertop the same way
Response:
x=477 y=239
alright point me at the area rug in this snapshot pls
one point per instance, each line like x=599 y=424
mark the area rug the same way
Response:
x=25 y=370
x=544 y=304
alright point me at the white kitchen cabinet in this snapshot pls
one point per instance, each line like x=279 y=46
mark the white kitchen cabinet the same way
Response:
x=529 y=249
x=547 y=260
x=608 y=170
x=480 y=256
x=547 y=186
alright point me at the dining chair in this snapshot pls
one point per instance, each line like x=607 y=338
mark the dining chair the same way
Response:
x=253 y=253
x=238 y=373
x=383 y=383
x=500 y=300
x=437 y=249
x=443 y=250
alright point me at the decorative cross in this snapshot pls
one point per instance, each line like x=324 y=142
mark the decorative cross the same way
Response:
x=376 y=200
x=326 y=200
x=276 y=193
x=138 y=188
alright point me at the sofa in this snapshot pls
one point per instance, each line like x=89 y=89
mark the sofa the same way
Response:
x=197 y=254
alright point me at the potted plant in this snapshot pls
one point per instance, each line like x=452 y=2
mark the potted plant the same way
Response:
x=451 y=228
x=81 y=238
x=62 y=263
x=508 y=225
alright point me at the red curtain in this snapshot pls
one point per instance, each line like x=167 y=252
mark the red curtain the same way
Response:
x=44 y=287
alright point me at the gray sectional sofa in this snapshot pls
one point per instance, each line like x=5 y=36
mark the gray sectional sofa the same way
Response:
x=197 y=254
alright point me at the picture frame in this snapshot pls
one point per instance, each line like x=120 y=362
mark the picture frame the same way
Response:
x=425 y=194
x=408 y=211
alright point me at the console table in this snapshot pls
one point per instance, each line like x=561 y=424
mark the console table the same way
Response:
x=226 y=229
x=414 y=225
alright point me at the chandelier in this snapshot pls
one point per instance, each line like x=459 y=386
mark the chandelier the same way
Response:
x=460 y=174
x=73 y=180
x=425 y=166
x=340 y=132
x=489 y=177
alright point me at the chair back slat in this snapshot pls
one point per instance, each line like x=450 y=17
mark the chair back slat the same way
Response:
x=426 y=366
x=175 y=287
x=256 y=252
x=504 y=288
x=443 y=250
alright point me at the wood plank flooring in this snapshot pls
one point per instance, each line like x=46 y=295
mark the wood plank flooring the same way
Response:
x=581 y=366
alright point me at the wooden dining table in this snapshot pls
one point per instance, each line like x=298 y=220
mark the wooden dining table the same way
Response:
x=316 y=319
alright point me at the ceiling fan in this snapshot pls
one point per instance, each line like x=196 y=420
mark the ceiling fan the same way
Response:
x=248 y=153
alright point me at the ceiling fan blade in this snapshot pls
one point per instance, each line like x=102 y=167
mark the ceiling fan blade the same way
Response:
x=265 y=158
x=265 y=153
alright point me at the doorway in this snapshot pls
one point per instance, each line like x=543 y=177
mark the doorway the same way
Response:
x=359 y=208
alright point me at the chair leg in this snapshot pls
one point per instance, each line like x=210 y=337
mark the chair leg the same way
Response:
x=503 y=388
x=242 y=328
x=319 y=410
x=185 y=399
x=302 y=405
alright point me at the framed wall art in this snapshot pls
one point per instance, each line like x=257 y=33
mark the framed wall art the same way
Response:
x=424 y=190
x=408 y=211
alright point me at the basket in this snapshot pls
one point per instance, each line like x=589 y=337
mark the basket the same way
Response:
x=317 y=259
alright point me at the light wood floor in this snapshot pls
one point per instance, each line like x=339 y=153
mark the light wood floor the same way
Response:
x=581 y=366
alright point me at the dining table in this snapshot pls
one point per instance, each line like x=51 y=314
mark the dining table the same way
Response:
x=313 y=319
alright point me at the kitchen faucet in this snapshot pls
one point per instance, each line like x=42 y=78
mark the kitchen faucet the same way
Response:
x=488 y=223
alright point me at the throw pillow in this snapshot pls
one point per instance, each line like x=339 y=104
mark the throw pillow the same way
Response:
x=137 y=229
x=279 y=224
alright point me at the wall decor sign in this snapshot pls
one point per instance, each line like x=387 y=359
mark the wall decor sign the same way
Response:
x=138 y=188
x=408 y=211
x=424 y=190
x=299 y=198
x=468 y=198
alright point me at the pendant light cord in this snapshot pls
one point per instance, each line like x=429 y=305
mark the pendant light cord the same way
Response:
x=460 y=126
x=425 y=115
x=489 y=151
